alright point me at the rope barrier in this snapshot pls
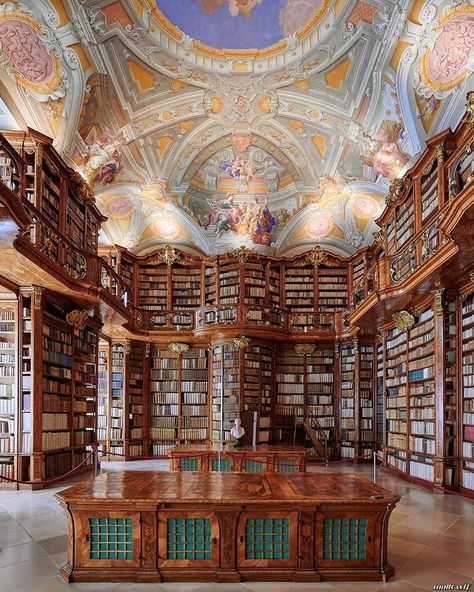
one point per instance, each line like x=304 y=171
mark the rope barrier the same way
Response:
x=51 y=479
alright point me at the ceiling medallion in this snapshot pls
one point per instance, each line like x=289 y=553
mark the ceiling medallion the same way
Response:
x=169 y=256
x=316 y=257
x=241 y=342
x=243 y=254
x=403 y=320
x=178 y=348
x=305 y=349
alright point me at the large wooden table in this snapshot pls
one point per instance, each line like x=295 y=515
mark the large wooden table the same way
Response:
x=144 y=526
x=263 y=458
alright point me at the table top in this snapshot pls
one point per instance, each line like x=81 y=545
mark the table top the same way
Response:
x=196 y=489
x=230 y=448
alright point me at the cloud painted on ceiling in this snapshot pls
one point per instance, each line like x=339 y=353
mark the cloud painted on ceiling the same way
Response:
x=238 y=24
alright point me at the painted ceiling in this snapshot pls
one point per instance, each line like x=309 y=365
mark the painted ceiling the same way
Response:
x=208 y=124
x=239 y=24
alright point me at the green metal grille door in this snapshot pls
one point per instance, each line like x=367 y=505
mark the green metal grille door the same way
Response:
x=344 y=538
x=188 y=464
x=287 y=465
x=224 y=465
x=188 y=538
x=267 y=538
x=111 y=538
x=253 y=466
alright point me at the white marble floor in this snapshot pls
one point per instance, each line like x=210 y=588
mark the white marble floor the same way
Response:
x=431 y=542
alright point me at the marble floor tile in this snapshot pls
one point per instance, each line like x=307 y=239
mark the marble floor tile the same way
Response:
x=431 y=541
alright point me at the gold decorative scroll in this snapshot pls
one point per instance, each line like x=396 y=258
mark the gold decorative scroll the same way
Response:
x=379 y=238
x=241 y=342
x=438 y=301
x=242 y=254
x=403 y=320
x=316 y=257
x=396 y=190
x=77 y=318
x=178 y=348
x=169 y=256
x=470 y=109
x=305 y=349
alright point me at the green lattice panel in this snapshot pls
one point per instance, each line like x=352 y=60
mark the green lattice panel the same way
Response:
x=188 y=538
x=111 y=538
x=253 y=466
x=267 y=538
x=188 y=464
x=224 y=465
x=287 y=465
x=344 y=538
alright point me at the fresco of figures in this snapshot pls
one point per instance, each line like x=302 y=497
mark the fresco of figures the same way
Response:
x=239 y=24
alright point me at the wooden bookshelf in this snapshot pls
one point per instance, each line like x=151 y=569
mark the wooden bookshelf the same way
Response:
x=134 y=398
x=229 y=282
x=225 y=389
x=117 y=399
x=103 y=390
x=380 y=411
x=257 y=387
x=320 y=395
x=450 y=391
x=164 y=400
x=290 y=392
x=396 y=374
x=8 y=385
x=194 y=401
x=366 y=399
x=429 y=191
x=254 y=278
x=153 y=286
x=186 y=287
x=299 y=289
x=467 y=398
x=332 y=289
x=348 y=427
x=422 y=405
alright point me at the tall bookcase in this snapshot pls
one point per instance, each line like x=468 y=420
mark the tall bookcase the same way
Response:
x=8 y=386
x=225 y=389
x=348 y=411
x=103 y=390
x=365 y=403
x=257 y=387
x=467 y=394
x=396 y=398
x=421 y=403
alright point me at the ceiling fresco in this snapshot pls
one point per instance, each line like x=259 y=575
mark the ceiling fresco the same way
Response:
x=207 y=124
x=239 y=24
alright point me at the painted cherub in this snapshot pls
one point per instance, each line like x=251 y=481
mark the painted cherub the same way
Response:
x=383 y=153
x=235 y=6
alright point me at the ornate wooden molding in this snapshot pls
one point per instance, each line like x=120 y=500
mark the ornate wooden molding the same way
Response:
x=403 y=320
x=147 y=349
x=337 y=351
x=243 y=254
x=38 y=297
x=178 y=348
x=469 y=118
x=396 y=191
x=379 y=238
x=83 y=189
x=305 y=349
x=241 y=342
x=77 y=318
x=438 y=301
x=316 y=257
x=169 y=256
x=440 y=154
x=356 y=346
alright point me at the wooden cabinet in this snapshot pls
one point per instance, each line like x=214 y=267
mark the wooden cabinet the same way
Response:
x=149 y=526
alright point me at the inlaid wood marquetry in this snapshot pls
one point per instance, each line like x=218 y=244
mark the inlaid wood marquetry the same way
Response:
x=227 y=527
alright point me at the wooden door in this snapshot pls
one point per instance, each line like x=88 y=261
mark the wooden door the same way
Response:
x=188 y=539
x=347 y=538
x=107 y=539
x=267 y=539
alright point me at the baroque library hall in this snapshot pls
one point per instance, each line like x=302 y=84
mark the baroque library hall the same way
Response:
x=236 y=295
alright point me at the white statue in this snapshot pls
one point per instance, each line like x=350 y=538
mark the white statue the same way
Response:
x=237 y=432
